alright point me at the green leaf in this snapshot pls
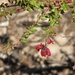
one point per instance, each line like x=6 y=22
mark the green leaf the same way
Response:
x=29 y=32
x=34 y=3
x=33 y=30
x=3 y=13
x=43 y=18
x=52 y=23
x=64 y=6
x=52 y=32
x=42 y=4
x=7 y=17
x=8 y=43
x=11 y=10
x=45 y=28
x=42 y=10
x=24 y=41
x=38 y=24
x=29 y=9
x=44 y=35
x=51 y=19
x=26 y=36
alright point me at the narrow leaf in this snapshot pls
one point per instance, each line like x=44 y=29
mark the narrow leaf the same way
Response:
x=24 y=41
x=43 y=18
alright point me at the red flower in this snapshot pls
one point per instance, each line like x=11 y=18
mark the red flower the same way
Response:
x=57 y=5
x=70 y=4
x=40 y=46
x=45 y=52
x=50 y=42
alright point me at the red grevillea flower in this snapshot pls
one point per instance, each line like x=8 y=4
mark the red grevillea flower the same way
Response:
x=45 y=52
x=50 y=42
x=40 y=46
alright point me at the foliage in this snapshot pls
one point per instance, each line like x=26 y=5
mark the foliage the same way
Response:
x=49 y=10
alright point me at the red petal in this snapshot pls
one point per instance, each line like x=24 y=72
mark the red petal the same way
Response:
x=50 y=42
x=43 y=52
x=70 y=4
x=48 y=52
x=40 y=46
x=57 y=5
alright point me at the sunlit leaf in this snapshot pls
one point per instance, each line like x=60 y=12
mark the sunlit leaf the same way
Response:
x=43 y=18
x=24 y=41
x=33 y=30
x=52 y=32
